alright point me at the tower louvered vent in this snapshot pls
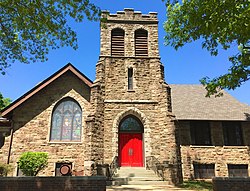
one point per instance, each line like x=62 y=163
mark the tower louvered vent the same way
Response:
x=141 y=42
x=117 y=42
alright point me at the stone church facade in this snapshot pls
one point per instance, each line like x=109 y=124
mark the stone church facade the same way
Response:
x=129 y=115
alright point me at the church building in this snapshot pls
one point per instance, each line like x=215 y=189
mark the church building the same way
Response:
x=128 y=116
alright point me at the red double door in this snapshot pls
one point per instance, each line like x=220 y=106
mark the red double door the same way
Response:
x=130 y=149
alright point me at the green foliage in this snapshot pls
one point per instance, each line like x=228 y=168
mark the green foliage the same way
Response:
x=220 y=24
x=32 y=162
x=5 y=169
x=4 y=102
x=197 y=185
x=30 y=28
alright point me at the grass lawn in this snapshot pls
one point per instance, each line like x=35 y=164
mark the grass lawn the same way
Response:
x=197 y=185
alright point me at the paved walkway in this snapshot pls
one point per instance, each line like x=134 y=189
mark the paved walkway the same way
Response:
x=145 y=188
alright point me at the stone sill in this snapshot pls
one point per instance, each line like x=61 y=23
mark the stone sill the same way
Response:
x=130 y=91
x=63 y=142
x=212 y=146
x=133 y=57
x=202 y=146
x=131 y=101
x=204 y=179
x=235 y=147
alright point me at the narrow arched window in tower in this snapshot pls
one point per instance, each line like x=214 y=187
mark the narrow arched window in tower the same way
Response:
x=141 y=42
x=117 y=42
x=130 y=78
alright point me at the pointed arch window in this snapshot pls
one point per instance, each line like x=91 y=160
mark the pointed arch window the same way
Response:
x=66 y=122
x=117 y=42
x=141 y=42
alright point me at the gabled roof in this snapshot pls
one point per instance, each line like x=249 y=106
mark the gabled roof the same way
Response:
x=189 y=103
x=43 y=84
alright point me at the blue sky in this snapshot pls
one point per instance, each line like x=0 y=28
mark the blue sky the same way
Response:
x=185 y=66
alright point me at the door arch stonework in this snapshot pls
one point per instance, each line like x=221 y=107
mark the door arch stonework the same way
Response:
x=131 y=152
x=115 y=130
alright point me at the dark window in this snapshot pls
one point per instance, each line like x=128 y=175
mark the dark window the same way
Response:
x=117 y=42
x=237 y=170
x=141 y=42
x=66 y=122
x=204 y=171
x=130 y=78
x=63 y=169
x=232 y=133
x=131 y=124
x=200 y=133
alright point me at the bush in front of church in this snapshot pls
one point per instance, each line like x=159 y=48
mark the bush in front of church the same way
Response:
x=31 y=163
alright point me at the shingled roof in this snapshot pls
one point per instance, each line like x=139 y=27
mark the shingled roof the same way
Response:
x=189 y=103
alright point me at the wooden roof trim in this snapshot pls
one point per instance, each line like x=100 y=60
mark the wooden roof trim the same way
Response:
x=81 y=75
x=40 y=86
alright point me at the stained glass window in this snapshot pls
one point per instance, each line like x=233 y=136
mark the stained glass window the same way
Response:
x=66 y=121
x=131 y=123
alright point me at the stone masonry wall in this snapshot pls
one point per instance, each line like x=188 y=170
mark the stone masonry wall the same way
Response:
x=148 y=100
x=32 y=122
x=217 y=154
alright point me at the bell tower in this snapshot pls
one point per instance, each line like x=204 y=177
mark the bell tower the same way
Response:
x=129 y=46
x=132 y=90
x=129 y=34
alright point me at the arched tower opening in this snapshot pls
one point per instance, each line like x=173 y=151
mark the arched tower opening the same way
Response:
x=141 y=42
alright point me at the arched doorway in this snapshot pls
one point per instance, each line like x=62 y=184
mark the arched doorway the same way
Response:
x=131 y=142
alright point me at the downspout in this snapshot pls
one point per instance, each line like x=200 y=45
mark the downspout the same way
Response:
x=11 y=140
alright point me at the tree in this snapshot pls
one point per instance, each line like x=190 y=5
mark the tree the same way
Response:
x=31 y=163
x=4 y=102
x=220 y=24
x=29 y=29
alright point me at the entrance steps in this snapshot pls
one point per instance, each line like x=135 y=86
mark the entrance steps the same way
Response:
x=139 y=179
x=136 y=176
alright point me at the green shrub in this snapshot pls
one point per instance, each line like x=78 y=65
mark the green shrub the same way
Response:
x=32 y=162
x=5 y=169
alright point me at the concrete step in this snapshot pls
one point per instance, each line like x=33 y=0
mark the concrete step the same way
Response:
x=136 y=176
x=137 y=182
x=143 y=182
x=146 y=178
x=145 y=188
x=132 y=172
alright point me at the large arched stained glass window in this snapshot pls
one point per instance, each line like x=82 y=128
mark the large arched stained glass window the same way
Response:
x=66 y=121
x=131 y=124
